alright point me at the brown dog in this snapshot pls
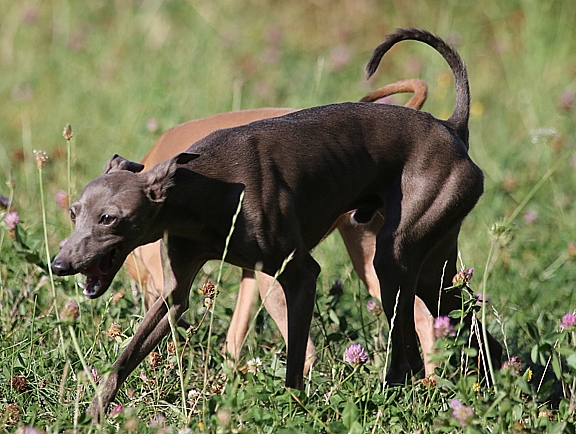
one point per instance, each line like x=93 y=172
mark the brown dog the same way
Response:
x=262 y=195
x=359 y=239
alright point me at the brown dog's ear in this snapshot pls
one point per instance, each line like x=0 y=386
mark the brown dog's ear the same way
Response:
x=161 y=177
x=117 y=163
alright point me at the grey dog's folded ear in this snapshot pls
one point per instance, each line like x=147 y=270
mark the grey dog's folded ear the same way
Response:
x=161 y=177
x=185 y=157
x=117 y=163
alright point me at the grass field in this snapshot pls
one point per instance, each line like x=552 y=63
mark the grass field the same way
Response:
x=122 y=72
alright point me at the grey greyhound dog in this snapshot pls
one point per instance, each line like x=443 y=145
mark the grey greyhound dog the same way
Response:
x=145 y=262
x=293 y=177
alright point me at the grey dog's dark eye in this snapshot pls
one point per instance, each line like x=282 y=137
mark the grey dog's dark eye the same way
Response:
x=107 y=220
x=72 y=216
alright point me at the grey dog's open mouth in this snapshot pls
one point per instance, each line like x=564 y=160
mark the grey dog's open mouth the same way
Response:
x=99 y=275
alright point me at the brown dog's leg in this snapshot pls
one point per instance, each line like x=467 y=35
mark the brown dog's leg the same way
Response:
x=145 y=267
x=360 y=242
x=241 y=318
x=148 y=271
x=424 y=324
x=156 y=323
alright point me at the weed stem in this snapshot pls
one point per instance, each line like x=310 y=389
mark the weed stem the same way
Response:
x=47 y=250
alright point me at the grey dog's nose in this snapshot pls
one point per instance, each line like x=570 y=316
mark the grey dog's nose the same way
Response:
x=61 y=268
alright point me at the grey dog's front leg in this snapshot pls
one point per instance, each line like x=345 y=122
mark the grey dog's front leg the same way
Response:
x=156 y=324
x=153 y=328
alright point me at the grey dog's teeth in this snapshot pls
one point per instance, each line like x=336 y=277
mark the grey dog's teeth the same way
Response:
x=82 y=285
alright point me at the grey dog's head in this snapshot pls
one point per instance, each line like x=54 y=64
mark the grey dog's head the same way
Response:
x=112 y=217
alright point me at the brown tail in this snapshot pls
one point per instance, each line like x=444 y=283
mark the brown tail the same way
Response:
x=459 y=119
x=418 y=87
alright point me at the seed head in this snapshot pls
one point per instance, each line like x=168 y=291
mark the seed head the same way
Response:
x=68 y=134
x=118 y=296
x=171 y=348
x=11 y=414
x=154 y=359
x=502 y=234
x=114 y=330
x=70 y=311
x=10 y=182
x=217 y=387
x=41 y=158
x=209 y=291
x=19 y=383
x=429 y=382
x=463 y=278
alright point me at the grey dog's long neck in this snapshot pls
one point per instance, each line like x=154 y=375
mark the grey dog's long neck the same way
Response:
x=198 y=207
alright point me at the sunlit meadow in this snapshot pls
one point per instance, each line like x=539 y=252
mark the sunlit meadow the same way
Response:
x=122 y=72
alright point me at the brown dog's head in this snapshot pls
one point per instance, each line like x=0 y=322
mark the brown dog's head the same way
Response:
x=112 y=217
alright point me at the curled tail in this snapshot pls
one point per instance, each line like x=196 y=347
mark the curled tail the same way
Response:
x=419 y=88
x=459 y=119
